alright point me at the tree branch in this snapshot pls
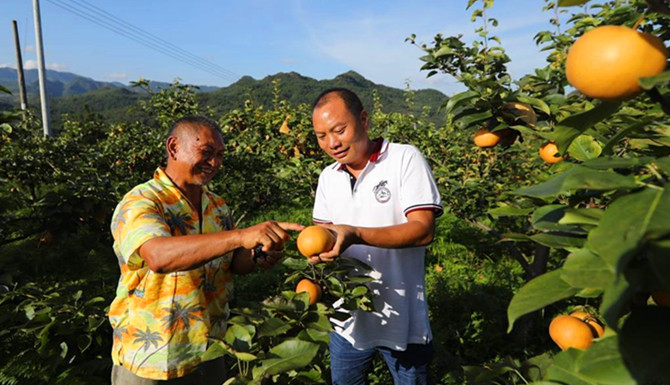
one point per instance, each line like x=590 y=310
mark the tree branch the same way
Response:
x=518 y=255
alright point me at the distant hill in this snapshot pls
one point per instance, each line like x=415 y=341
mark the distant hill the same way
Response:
x=112 y=100
x=296 y=89
x=66 y=83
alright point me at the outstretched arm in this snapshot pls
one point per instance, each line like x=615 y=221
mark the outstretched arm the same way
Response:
x=179 y=253
x=417 y=231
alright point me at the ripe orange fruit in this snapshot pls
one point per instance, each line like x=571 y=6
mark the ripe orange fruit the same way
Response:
x=606 y=62
x=314 y=240
x=284 y=129
x=596 y=328
x=521 y=111
x=661 y=298
x=570 y=332
x=310 y=287
x=485 y=138
x=548 y=153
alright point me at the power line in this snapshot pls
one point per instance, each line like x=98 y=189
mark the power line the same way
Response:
x=153 y=37
x=105 y=24
x=144 y=41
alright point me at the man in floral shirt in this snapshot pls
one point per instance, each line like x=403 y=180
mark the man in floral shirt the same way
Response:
x=177 y=249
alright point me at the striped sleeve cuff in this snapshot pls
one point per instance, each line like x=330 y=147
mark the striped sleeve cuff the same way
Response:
x=426 y=206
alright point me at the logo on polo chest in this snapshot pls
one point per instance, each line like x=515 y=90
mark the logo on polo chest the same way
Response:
x=382 y=193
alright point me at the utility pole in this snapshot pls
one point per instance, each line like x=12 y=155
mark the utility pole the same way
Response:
x=44 y=101
x=19 y=68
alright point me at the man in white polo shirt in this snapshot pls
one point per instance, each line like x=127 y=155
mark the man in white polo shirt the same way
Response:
x=381 y=200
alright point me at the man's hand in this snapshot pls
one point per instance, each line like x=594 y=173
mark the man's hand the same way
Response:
x=271 y=235
x=266 y=260
x=345 y=236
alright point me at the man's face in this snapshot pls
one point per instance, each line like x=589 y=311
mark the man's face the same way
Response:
x=199 y=154
x=343 y=136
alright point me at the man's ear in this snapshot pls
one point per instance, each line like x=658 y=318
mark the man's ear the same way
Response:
x=365 y=119
x=171 y=145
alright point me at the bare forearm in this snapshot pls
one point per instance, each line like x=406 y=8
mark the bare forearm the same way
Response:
x=179 y=253
x=409 y=234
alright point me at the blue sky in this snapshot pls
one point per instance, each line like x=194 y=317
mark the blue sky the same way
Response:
x=319 y=39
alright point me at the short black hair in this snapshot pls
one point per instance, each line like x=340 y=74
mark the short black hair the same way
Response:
x=194 y=121
x=350 y=99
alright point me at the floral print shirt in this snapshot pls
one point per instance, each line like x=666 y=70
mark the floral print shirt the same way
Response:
x=162 y=322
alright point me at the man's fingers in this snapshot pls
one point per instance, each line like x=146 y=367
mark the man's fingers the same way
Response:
x=291 y=226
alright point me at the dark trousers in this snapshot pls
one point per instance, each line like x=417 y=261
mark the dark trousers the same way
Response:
x=208 y=373
x=350 y=366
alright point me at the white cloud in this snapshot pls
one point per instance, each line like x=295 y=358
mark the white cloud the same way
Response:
x=56 y=66
x=375 y=45
x=116 y=76
x=31 y=64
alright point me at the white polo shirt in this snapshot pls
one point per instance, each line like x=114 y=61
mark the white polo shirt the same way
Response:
x=396 y=181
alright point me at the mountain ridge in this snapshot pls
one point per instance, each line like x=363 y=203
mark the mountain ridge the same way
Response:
x=84 y=95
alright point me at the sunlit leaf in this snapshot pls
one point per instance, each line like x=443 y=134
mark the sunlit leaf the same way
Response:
x=584 y=147
x=571 y=127
x=289 y=355
x=538 y=293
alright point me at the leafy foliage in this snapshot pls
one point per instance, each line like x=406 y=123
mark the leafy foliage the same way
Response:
x=603 y=210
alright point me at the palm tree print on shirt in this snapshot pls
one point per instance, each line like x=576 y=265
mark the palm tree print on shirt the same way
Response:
x=179 y=221
x=179 y=318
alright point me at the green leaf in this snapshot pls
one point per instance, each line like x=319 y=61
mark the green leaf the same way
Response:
x=617 y=297
x=310 y=377
x=318 y=321
x=295 y=263
x=570 y=3
x=579 y=178
x=644 y=344
x=216 y=350
x=548 y=217
x=538 y=293
x=558 y=240
x=505 y=211
x=458 y=99
x=600 y=364
x=623 y=133
x=564 y=369
x=335 y=286
x=571 y=127
x=239 y=338
x=584 y=147
x=629 y=221
x=657 y=253
x=664 y=164
x=471 y=119
x=583 y=269
x=273 y=327
x=608 y=162
x=653 y=81
x=538 y=103
x=5 y=89
x=359 y=291
x=289 y=355
x=444 y=50
x=314 y=335
x=582 y=216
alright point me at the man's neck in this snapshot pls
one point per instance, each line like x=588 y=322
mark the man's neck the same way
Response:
x=355 y=169
x=192 y=192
